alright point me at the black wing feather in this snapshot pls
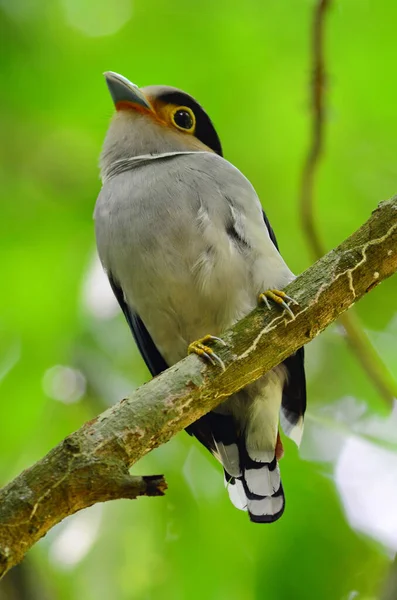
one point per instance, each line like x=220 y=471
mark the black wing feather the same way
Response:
x=152 y=357
x=294 y=392
x=270 y=229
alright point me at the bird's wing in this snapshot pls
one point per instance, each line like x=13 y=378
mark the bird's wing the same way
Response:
x=270 y=230
x=293 y=404
x=150 y=354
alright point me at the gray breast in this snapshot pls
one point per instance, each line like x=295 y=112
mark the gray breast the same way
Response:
x=186 y=241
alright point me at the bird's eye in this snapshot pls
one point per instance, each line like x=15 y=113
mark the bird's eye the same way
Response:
x=183 y=118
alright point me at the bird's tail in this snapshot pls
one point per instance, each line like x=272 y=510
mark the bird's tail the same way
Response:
x=258 y=488
x=252 y=477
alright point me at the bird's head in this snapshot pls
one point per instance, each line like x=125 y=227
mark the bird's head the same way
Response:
x=153 y=120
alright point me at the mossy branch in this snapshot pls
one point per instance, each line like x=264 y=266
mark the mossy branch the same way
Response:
x=91 y=465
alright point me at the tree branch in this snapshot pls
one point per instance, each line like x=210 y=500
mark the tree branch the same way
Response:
x=91 y=465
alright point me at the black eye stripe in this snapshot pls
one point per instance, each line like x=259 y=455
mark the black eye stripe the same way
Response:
x=183 y=119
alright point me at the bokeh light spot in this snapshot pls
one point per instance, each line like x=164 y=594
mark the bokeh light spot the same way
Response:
x=76 y=537
x=97 y=18
x=366 y=477
x=64 y=384
x=98 y=297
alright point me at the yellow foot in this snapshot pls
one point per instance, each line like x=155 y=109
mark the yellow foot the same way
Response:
x=279 y=298
x=200 y=348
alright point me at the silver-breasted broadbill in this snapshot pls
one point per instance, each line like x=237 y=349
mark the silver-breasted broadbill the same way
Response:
x=188 y=250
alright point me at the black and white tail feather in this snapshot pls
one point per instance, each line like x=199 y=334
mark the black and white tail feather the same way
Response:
x=258 y=489
x=253 y=482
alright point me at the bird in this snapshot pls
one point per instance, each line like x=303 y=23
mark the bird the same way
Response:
x=189 y=251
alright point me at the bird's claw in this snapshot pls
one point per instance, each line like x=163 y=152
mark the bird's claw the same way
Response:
x=279 y=298
x=200 y=348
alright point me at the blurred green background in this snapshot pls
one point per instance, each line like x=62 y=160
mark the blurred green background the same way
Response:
x=66 y=353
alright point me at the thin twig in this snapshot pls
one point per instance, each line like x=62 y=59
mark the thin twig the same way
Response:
x=317 y=136
x=370 y=360
x=356 y=337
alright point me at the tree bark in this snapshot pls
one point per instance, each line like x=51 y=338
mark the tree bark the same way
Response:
x=91 y=465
